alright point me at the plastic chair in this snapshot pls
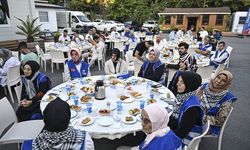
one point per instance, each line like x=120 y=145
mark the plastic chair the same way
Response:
x=100 y=59
x=18 y=90
x=221 y=131
x=16 y=54
x=130 y=61
x=148 y=37
x=43 y=56
x=13 y=78
x=205 y=73
x=218 y=69
x=56 y=57
x=46 y=46
x=229 y=50
x=194 y=143
x=119 y=45
x=18 y=132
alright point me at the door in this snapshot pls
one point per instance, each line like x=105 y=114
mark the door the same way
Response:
x=192 y=21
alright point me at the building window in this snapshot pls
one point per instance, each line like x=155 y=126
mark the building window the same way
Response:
x=242 y=20
x=3 y=16
x=43 y=16
x=219 y=20
x=179 y=19
x=167 y=19
x=205 y=20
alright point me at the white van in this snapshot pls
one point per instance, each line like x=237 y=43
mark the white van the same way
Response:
x=76 y=20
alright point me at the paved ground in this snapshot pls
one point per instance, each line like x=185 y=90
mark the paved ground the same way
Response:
x=237 y=131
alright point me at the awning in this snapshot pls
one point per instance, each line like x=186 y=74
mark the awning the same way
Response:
x=192 y=15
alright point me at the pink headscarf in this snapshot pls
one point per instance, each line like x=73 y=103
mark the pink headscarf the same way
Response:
x=159 y=118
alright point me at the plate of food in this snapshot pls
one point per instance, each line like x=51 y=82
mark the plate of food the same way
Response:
x=134 y=111
x=104 y=112
x=51 y=97
x=129 y=119
x=115 y=82
x=88 y=89
x=86 y=121
x=108 y=105
x=87 y=80
x=126 y=99
x=105 y=121
x=75 y=108
x=151 y=101
x=136 y=94
x=73 y=113
x=71 y=94
x=85 y=99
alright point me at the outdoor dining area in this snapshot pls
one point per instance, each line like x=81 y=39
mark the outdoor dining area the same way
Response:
x=130 y=84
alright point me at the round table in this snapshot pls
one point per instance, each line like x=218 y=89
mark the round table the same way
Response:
x=116 y=127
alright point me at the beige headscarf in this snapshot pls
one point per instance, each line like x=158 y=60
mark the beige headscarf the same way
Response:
x=159 y=118
x=225 y=86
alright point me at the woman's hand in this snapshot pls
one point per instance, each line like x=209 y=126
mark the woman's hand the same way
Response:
x=25 y=103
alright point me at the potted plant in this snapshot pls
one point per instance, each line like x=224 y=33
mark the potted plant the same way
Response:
x=29 y=29
x=56 y=36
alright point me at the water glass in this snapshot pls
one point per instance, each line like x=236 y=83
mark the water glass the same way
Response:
x=133 y=81
x=142 y=104
x=89 y=107
x=68 y=88
x=76 y=100
x=151 y=95
x=119 y=107
x=149 y=84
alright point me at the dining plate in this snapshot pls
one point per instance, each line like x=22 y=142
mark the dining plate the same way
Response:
x=85 y=121
x=105 y=121
x=127 y=100
x=50 y=98
x=73 y=113
x=129 y=119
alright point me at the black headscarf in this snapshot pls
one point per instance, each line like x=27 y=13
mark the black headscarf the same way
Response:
x=57 y=115
x=117 y=52
x=191 y=80
x=34 y=67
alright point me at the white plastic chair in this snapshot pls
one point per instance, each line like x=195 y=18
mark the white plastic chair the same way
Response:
x=46 y=46
x=229 y=50
x=148 y=37
x=221 y=131
x=56 y=57
x=43 y=57
x=194 y=143
x=18 y=132
x=119 y=45
x=218 y=69
x=137 y=64
x=16 y=54
x=18 y=90
x=13 y=78
x=130 y=61
x=100 y=59
x=205 y=73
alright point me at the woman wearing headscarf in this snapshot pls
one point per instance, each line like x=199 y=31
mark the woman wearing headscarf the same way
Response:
x=57 y=133
x=153 y=68
x=115 y=64
x=76 y=67
x=6 y=61
x=216 y=100
x=155 y=125
x=35 y=85
x=186 y=120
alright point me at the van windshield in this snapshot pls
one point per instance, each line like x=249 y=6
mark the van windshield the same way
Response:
x=83 y=18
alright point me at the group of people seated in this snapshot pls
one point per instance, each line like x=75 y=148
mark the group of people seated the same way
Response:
x=195 y=103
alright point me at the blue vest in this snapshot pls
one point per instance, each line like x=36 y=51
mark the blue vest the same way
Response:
x=196 y=130
x=27 y=145
x=39 y=79
x=155 y=66
x=74 y=73
x=204 y=47
x=168 y=142
x=216 y=64
x=214 y=110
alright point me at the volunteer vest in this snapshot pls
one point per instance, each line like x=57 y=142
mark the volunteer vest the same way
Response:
x=74 y=73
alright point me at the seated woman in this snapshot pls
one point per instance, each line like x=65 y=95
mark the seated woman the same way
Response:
x=76 y=67
x=35 y=85
x=216 y=100
x=153 y=68
x=6 y=61
x=115 y=64
x=155 y=124
x=57 y=133
x=186 y=120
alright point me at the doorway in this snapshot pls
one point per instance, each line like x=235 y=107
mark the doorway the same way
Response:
x=192 y=21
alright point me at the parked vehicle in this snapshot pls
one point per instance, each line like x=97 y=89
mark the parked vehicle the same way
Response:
x=75 y=20
x=96 y=22
x=132 y=25
x=150 y=24
x=110 y=24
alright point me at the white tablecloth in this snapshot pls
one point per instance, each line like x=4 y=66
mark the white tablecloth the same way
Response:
x=118 y=129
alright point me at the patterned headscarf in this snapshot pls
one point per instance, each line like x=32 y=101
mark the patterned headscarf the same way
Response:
x=229 y=79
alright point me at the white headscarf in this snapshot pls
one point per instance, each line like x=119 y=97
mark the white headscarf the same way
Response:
x=159 y=118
